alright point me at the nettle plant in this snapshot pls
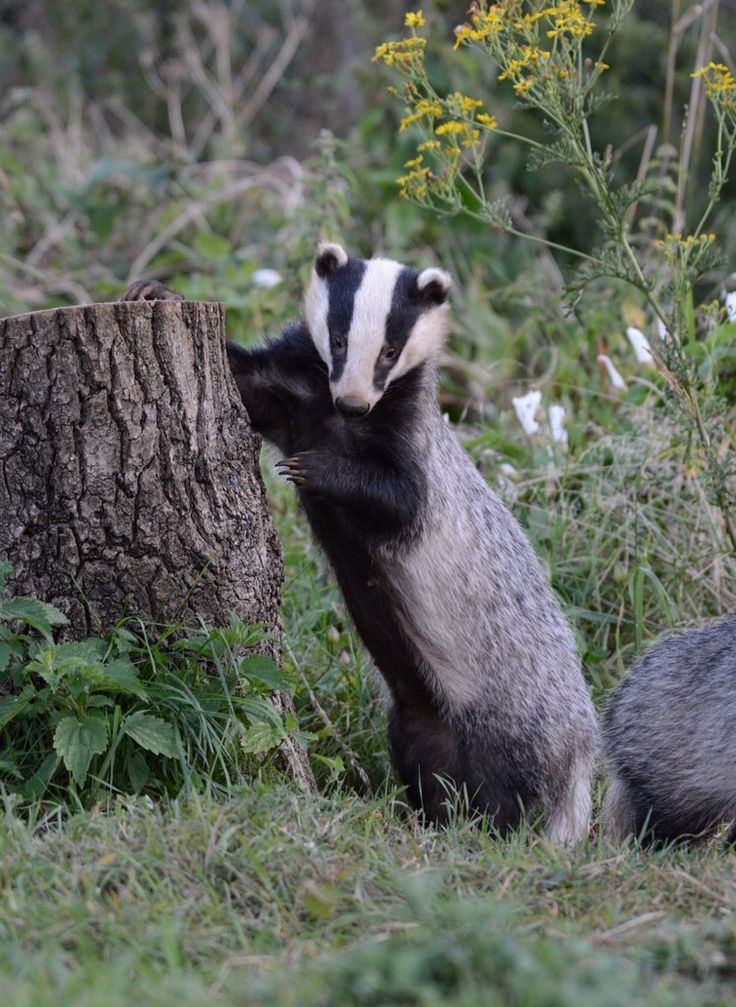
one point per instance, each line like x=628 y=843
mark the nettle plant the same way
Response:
x=554 y=59
x=130 y=713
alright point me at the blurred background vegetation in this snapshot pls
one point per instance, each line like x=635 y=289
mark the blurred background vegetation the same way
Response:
x=203 y=142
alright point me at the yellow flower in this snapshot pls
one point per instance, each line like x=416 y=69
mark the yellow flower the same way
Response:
x=465 y=104
x=487 y=120
x=524 y=85
x=533 y=55
x=448 y=128
x=415 y=20
x=424 y=107
x=406 y=50
x=471 y=138
x=602 y=66
x=430 y=145
x=717 y=78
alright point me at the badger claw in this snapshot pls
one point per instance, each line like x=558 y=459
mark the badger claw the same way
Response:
x=150 y=290
x=291 y=469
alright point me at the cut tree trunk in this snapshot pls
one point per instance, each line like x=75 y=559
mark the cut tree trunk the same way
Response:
x=129 y=480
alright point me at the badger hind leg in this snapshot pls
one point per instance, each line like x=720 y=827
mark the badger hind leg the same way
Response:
x=569 y=817
x=425 y=757
x=501 y=779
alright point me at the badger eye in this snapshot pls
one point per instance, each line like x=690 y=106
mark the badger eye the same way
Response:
x=389 y=353
x=338 y=342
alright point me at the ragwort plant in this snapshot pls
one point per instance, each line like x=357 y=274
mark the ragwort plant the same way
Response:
x=554 y=59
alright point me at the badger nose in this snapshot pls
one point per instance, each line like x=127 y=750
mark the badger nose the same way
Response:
x=352 y=405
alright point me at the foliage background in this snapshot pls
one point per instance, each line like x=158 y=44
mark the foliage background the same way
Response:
x=203 y=141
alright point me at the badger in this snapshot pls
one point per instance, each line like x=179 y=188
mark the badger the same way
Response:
x=669 y=737
x=487 y=694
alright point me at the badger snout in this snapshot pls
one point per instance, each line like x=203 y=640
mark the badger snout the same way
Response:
x=352 y=405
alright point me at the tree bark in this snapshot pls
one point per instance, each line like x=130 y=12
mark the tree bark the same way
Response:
x=129 y=480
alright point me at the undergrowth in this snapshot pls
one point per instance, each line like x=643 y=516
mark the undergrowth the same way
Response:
x=141 y=710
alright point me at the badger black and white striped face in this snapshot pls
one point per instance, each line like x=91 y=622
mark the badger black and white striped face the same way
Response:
x=372 y=320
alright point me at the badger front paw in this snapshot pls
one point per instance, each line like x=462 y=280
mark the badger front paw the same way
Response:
x=295 y=469
x=150 y=290
x=310 y=471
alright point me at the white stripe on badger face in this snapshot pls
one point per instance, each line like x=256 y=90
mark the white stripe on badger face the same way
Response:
x=316 y=307
x=426 y=339
x=368 y=330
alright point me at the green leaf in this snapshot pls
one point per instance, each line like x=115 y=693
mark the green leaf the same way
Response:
x=121 y=676
x=259 y=709
x=152 y=733
x=6 y=652
x=35 y=786
x=261 y=738
x=77 y=741
x=36 y=614
x=8 y=765
x=5 y=570
x=263 y=669
x=99 y=701
x=137 y=769
x=13 y=705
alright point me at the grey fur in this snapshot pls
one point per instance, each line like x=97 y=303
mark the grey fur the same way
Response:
x=499 y=654
x=670 y=738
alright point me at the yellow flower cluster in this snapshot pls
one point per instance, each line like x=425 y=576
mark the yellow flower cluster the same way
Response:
x=407 y=51
x=424 y=108
x=462 y=103
x=489 y=121
x=568 y=18
x=719 y=82
x=415 y=183
x=463 y=132
x=674 y=246
x=483 y=23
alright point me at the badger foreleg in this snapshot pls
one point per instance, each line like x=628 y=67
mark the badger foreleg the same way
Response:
x=380 y=498
x=261 y=381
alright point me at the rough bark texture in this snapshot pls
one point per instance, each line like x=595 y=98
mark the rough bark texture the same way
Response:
x=129 y=479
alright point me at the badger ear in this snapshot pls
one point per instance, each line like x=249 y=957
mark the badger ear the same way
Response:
x=330 y=256
x=434 y=285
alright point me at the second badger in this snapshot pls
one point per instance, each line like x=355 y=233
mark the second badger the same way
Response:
x=439 y=578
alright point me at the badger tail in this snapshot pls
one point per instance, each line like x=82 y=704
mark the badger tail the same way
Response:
x=618 y=815
x=569 y=818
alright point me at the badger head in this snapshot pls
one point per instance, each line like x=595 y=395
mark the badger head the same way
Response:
x=372 y=320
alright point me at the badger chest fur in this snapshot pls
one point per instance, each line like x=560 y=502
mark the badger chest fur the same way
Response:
x=443 y=586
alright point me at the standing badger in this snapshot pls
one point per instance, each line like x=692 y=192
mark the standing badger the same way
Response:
x=438 y=577
x=670 y=738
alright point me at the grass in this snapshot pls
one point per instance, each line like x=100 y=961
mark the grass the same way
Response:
x=274 y=898
x=269 y=897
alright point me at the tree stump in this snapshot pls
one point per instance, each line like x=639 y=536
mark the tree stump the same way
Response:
x=129 y=480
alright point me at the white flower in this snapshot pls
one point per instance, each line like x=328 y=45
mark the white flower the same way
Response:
x=266 y=278
x=614 y=377
x=662 y=330
x=640 y=345
x=526 y=406
x=505 y=468
x=556 y=415
x=731 y=306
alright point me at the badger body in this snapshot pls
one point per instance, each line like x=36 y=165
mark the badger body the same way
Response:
x=443 y=587
x=670 y=738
